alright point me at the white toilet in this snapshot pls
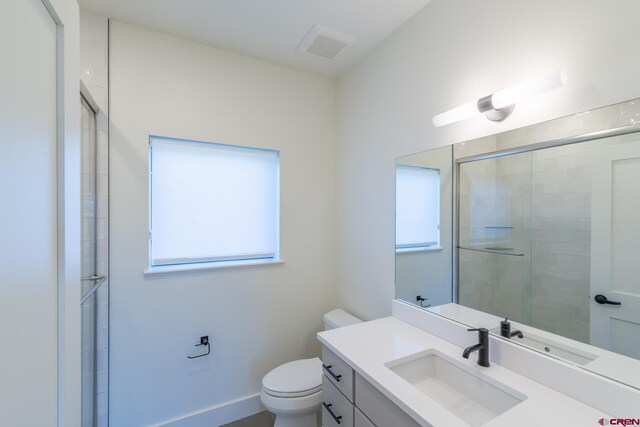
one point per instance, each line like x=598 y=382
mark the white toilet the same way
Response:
x=293 y=391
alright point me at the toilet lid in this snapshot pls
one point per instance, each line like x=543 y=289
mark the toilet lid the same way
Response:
x=300 y=377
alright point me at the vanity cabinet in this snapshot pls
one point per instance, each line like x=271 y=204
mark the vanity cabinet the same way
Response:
x=359 y=420
x=336 y=409
x=338 y=372
x=378 y=408
x=348 y=400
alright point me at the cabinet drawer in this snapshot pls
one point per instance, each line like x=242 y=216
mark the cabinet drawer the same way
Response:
x=339 y=373
x=360 y=420
x=379 y=409
x=336 y=409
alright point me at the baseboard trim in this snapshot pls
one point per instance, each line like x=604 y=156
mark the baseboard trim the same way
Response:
x=219 y=414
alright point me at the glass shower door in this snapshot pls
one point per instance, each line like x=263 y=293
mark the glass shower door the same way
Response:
x=494 y=250
x=95 y=298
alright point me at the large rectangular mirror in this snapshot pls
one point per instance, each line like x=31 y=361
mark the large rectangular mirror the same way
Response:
x=537 y=225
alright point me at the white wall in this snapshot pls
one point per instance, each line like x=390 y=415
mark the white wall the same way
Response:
x=256 y=318
x=451 y=52
x=69 y=233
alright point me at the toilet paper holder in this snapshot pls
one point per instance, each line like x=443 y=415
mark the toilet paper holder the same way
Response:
x=203 y=341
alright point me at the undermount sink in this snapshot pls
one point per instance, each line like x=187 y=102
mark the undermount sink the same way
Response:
x=471 y=397
x=554 y=348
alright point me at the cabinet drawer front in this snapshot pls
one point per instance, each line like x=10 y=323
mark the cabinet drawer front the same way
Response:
x=336 y=409
x=338 y=372
x=379 y=409
x=360 y=420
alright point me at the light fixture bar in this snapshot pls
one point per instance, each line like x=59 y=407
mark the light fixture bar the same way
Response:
x=532 y=87
x=499 y=105
x=462 y=112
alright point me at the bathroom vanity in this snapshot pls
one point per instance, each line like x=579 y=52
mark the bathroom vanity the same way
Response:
x=341 y=384
x=398 y=371
x=535 y=225
x=538 y=225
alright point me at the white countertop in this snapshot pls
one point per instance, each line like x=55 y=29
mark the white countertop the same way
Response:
x=612 y=365
x=368 y=346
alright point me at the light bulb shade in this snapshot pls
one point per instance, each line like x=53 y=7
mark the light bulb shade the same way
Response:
x=514 y=94
x=462 y=112
x=499 y=105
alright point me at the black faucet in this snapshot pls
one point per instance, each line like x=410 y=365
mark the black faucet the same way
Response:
x=482 y=347
x=505 y=330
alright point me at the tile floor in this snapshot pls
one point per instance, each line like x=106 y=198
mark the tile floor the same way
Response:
x=262 y=419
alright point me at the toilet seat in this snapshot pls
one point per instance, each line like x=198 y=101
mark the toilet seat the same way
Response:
x=302 y=393
x=294 y=379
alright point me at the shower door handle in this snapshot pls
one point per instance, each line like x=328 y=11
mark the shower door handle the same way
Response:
x=601 y=299
x=99 y=280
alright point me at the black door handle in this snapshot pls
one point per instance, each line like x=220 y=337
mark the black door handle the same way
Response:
x=601 y=299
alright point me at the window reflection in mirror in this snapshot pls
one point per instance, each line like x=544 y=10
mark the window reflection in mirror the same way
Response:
x=417 y=208
x=424 y=202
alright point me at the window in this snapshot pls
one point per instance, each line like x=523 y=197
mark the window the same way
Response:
x=417 y=207
x=212 y=202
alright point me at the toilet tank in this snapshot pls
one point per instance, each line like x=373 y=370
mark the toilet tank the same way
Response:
x=338 y=319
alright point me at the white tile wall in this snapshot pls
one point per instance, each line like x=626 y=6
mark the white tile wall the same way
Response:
x=545 y=197
x=496 y=193
x=561 y=243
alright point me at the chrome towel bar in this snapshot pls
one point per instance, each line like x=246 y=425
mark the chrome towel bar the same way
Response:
x=503 y=252
x=99 y=280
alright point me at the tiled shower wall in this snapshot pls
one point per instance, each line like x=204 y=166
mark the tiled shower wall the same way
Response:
x=94 y=73
x=495 y=206
x=561 y=240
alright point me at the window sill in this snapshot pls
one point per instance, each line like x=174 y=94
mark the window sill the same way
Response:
x=420 y=249
x=228 y=265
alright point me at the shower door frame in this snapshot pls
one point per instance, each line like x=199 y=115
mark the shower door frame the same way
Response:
x=99 y=279
x=526 y=148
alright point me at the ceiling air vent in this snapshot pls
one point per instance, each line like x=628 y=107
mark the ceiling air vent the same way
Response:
x=324 y=42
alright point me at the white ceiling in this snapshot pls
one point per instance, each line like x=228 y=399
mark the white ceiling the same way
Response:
x=267 y=29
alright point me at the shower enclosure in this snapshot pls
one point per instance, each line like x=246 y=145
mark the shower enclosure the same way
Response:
x=495 y=221
x=95 y=293
x=546 y=231
x=525 y=224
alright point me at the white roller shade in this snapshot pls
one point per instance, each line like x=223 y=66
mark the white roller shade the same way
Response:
x=212 y=202
x=417 y=207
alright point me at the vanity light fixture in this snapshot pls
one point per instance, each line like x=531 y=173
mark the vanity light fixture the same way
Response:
x=499 y=105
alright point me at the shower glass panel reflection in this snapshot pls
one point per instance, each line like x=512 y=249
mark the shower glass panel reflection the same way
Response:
x=495 y=236
x=95 y=297
x=525 y=236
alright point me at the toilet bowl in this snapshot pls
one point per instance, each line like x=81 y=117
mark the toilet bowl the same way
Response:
x=293 y=391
